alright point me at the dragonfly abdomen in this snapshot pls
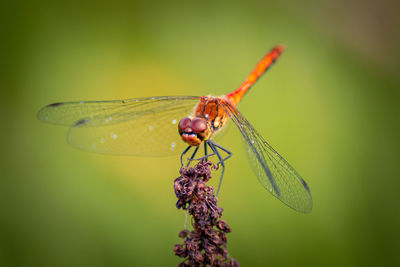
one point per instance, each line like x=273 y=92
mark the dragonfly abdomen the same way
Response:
x=263 y=65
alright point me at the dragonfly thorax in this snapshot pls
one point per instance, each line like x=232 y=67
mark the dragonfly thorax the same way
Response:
x=194 y=130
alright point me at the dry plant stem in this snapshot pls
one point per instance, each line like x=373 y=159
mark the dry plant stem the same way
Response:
x=206 y=244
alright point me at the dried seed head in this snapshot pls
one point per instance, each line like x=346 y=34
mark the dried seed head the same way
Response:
x=206 y=244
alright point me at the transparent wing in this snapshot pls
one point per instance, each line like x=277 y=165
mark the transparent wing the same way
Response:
x=274 y=173
x=140 y=126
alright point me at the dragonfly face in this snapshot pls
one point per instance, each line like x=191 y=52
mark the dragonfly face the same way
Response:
x=209 y=117
x=194 y=131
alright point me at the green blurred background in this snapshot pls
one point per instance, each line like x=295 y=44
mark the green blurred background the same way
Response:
x=329 y=106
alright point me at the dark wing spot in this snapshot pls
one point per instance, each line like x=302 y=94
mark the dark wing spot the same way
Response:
x=305 y=185
x=81 y=122
x=55 y=105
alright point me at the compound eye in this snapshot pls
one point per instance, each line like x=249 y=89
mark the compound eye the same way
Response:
x=199 y=125
x=184 y=123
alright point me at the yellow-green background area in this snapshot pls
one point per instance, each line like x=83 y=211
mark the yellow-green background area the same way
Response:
x=329 y=106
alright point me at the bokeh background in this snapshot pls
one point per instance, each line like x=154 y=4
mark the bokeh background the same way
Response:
x=329 y=106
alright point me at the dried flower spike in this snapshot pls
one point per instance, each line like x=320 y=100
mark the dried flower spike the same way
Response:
x=206 y=244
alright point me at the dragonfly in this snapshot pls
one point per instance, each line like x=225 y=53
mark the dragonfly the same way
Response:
x=171 y=125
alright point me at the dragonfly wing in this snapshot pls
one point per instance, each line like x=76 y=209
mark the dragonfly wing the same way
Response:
x=141 y=126
x=274 y=173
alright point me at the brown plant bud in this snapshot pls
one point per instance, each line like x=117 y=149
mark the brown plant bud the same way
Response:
x=183 y=233
x=180 y=251
x=223 y=226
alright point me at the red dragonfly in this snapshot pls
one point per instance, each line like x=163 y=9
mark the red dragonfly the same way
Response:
x=149 y=127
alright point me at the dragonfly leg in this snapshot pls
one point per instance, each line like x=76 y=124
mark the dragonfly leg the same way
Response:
x=214 y=148
x=206 y=155
x=223 y=149
x=191 y=158
x=183 y=153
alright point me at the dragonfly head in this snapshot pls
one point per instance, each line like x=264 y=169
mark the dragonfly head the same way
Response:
x=194 y=131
